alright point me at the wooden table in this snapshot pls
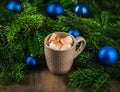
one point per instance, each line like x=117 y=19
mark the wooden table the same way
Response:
x=42 y=80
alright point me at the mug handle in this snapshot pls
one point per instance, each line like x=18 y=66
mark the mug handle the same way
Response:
x=82 y=45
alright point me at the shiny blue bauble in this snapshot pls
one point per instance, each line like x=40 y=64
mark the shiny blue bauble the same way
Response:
x=107 y=55
x=14 y=6
x=74 y=32
x=31 y=61
x=54 y=9
x=81 y=9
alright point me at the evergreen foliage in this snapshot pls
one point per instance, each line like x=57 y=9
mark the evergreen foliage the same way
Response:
x=94 y=79
x=22 y=34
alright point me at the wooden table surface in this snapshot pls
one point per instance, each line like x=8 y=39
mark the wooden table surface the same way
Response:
x=42 y=80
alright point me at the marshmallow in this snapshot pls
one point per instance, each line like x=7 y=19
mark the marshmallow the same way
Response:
x=55 y=46
x=65 y=46
x=54 y=37
x=60 y=43
x=67 y=40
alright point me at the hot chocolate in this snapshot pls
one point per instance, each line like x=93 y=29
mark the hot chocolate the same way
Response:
x=60 y=43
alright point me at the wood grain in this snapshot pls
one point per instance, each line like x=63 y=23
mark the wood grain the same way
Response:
x=45 y=81
x=49 y=82
x=115 y=85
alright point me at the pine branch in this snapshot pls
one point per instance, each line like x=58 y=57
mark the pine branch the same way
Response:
x=99 y=82
x=40 y=37
x=3 y=36
x=84 y=77
x=26 y=23
x=18 y=73
x=72 y=18
x=114 y=70
x=87 y=60
x=5 y=78
x=111 y=4
x=92 y=78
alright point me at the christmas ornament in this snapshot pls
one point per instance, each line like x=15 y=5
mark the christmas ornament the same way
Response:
x=31 y=61
x=81 y=9
x=55 y=9
x=74 y=32
x=14 y=6
x=107 y=55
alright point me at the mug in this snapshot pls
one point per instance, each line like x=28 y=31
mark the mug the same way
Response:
x=60 y=61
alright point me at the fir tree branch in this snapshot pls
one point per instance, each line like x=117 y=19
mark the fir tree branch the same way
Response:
x=98 y=83
x=84 y=77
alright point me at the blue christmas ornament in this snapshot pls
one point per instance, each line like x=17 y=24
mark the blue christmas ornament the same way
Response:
x=74 y=32
x=107 y=55
x=14 y=6
x=55 y=9
x=81 y=9
x=31 y=61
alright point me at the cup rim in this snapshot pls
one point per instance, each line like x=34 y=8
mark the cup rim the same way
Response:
x=74 y=43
